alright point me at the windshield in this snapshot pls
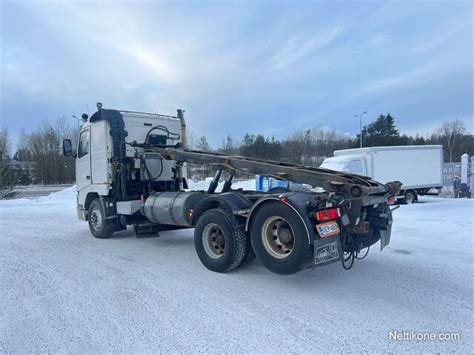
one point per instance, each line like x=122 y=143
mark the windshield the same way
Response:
x=335 y=163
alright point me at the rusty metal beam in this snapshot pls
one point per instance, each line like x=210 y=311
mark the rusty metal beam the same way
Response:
x=328 y=179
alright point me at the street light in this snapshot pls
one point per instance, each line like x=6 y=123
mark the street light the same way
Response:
x=360 y=119
x=78 y=122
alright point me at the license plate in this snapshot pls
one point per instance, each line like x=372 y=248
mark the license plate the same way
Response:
x=327 y=229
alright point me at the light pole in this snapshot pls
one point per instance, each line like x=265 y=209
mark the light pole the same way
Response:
x=78 y=122
x=360 y=119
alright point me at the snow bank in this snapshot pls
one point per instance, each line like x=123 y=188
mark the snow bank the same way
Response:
x=68 y=196
x=65 y=197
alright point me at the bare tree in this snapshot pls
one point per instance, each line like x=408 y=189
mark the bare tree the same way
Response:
x=43 y=148
x=10 y=175
x=203 y=144
x=450 y=135
x=229 y=146
x=191 y=138
x=64 y=129
x=5 y=143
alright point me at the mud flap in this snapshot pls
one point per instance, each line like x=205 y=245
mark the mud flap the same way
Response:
x=385 y=234
x=327 y=251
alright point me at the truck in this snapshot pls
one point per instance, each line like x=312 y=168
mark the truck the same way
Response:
x=418 y=167
x=131 y=171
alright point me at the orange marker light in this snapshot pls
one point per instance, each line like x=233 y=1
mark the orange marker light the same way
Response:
x=190 y=214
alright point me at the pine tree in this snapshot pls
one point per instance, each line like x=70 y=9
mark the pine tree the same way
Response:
x=381 y=132
x=229 y=145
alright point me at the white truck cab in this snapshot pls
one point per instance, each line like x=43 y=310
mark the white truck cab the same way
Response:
x=95 y=152
x=353 y=164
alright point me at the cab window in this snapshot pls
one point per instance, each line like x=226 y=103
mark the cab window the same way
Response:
x=84 y=144
x=356 y=167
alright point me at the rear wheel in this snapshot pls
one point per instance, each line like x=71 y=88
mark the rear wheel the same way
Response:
x=410 y=197
x=99 y=226
x=250 y=255
x=221 y=245
x=279 y=239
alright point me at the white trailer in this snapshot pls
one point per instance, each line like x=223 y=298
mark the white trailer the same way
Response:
x=418 y=167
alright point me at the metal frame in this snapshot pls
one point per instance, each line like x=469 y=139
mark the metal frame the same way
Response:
x=332 y=181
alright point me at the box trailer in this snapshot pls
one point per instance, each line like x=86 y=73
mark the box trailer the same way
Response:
x=418 y=167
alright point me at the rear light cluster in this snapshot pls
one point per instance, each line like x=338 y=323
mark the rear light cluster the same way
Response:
x=327 y=215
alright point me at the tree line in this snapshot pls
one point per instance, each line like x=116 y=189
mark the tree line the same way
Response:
x=38 y=158
x=311 y=146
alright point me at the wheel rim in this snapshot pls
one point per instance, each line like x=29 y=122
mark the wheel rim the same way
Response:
x=96 y=219
x=213 y=241
x=278 y=237
x=409 y=198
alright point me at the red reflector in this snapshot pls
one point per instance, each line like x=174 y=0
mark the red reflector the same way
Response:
x=284 y=199
x=325 y=215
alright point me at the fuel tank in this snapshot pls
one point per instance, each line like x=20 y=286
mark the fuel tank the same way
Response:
x=172 y=208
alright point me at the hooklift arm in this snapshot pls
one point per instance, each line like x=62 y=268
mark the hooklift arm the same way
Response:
x=355 y=187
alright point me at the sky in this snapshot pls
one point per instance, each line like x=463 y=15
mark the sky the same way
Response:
x=269 y=67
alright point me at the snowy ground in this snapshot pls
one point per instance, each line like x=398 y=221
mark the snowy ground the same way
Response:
x=63 y=290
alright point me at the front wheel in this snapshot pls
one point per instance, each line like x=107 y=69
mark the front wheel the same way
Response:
x=280 y=239
x=99 y=226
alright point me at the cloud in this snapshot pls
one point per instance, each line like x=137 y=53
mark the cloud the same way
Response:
x=449 y=32
x=405 y=79
x=300 y=46
x=377 y=41
x=312 y=64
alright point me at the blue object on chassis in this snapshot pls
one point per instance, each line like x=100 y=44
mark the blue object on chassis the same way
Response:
x=265 y=183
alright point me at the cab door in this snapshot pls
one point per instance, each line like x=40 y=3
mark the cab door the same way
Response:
x=99 y=153
x=83 y=160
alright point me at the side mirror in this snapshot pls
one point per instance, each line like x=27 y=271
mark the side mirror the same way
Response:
x=67 y=148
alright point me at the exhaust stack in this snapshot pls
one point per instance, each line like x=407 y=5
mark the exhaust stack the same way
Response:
x=184 y=143
x=184 y=138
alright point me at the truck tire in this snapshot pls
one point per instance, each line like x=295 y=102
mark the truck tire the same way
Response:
x=220 y=245
x=279 y=239
x=250 y=256
x=410 y=197
x=99 y=226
